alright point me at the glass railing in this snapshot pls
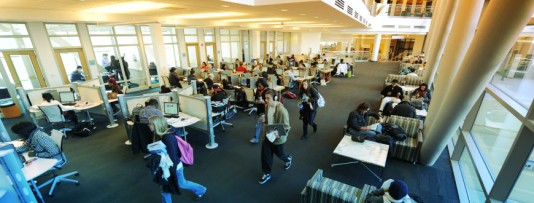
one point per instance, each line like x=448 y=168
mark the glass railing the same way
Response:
x=410 y=11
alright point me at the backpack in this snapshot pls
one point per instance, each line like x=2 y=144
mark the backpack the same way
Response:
x=83 y=129
x=186 y=150
x=320 y=102
x=395 y=131
x=290 y=95
x=136 y=113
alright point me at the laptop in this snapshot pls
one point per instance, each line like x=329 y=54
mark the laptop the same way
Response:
x=171 y=110
x=67 y=98
x=274 y=130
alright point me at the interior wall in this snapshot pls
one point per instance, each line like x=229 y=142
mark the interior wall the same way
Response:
x=418 y=44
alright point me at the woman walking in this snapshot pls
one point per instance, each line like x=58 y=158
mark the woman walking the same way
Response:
x=308 y=107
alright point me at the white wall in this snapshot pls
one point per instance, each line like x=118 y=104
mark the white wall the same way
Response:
x=45 y=54
x=310 y=42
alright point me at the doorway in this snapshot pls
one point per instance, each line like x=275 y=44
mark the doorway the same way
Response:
x=68 y=60
x=192 y=55
x=24 y=69
x=211 y=54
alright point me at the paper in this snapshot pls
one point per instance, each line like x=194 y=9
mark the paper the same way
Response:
x=373 y=126
x=272 y=135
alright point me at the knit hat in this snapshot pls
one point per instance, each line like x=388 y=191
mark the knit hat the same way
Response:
x=398 y=189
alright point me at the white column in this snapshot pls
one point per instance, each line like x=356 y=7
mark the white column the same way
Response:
x=433 y=25
x=387 y=44
x=88 y=50
x=201 y=46
x=255 y=44
x=376 y=47
x=218 y=42
x=184 y=62
x=45 y=54
x=462 y=32
x=501 y=25
x=438 y=43
x=156 y=34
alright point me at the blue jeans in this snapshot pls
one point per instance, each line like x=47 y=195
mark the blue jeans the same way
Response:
x=371 y=133
x=259 y=127
x=184 y=184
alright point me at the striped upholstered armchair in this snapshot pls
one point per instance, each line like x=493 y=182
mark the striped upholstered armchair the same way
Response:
x=321 y=189
x=408 y=149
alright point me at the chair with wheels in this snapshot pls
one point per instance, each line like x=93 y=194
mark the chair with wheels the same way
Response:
x=53 y=115
x=249 y=92
x=57 y=136
x=221 y=113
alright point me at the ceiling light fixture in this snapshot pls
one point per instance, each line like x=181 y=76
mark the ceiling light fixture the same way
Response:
x=225 y=6
x=284 y=10
x=127 y=7
x=255 y=19
x=302 y=14
x=208 y=15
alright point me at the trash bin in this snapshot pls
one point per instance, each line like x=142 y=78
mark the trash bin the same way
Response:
x=10 y=110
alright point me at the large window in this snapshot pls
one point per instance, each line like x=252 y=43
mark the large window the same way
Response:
x=230 y=44
x=170 y=39
x=63 y=35
x=522 y=191
x=515 y=76
x=494 y=131
x=472 y=183
x=14 y=36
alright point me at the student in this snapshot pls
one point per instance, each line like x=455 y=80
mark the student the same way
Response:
x=358 y=119
x=36 y=141
x=308 y=103
x=275 y=113
x=68 y=111
x=191 y=76
x=241 y=68
x=115 y=88
x=404 y=109
x=391 y=191
x=218 y=94
x=160 y=127
x=422 y=94
x=205 y=67
x=151 y=109
x=164 y=89
x=390 y=93
x=261 y=89
x=77 y=75
x=209 y=81
x=174 y=78
x=342 y=68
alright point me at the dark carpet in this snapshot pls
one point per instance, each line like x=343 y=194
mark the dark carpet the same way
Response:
x=109 y=172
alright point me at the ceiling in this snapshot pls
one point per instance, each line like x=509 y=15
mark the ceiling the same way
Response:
x=291 y=15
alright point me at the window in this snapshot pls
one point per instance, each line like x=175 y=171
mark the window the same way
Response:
x=190 y=35
x=522 y=191
x=472 y=183
x=63 y=35
x=494 y=132
x=14 y=36
x=209 y=35
x=170 y=41
x=230 y=44
x=514 y=77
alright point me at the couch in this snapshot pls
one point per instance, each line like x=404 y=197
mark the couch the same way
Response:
x=322 y=189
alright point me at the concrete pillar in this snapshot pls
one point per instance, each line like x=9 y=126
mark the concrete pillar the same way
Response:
x=255 y=44
x=376 y=47
x=433 y=25
x=156 y=34
x=501 y=25
x=462 y=32
x=438 y=43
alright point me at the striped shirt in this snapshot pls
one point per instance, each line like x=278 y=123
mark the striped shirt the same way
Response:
x=42 y=145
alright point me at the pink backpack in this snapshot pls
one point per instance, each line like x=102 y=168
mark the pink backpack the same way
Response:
x=186 y=150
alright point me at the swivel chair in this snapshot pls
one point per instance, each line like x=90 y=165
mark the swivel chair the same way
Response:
x=54 y=114
x=249 y=92
x=57 y=136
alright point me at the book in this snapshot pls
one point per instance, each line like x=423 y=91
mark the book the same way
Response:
x=373 y=126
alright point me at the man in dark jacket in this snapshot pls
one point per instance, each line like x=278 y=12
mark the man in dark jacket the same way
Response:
x=358 y=119
x=404 y=109
x=391 y=93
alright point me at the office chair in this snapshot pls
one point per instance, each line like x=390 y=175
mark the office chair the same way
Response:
x=165 y=81
x=249 y=92
x=57 y=137
x=220 y=117
x=54 y=114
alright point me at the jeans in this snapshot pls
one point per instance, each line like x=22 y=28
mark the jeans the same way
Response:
x=309 y=119
x=371 y=133
x=184 y=184
x=259 y=127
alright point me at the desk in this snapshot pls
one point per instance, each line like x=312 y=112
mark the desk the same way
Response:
x=80 y=106
x=183 y=121
x=36 y=168
x=364 y=152
x=326 y=73
x=301 y=79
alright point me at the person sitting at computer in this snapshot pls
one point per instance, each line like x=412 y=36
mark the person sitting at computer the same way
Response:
x=209 y=81
x=342 y=68
x=68 y=111
x=36 y=141
x=241 y=68
x=218 y=94
x=191 y=76
x=151 y=109
x=391 y=93
x=174 y=78
x=77 y=75
x=204 y=67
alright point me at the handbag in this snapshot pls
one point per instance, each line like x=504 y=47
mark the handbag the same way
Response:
x=358 y=137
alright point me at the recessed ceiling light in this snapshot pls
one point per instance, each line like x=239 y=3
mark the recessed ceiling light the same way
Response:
x=208 y=15
x=302 y=14
x=316 y=17
x=334 y=21
x=225 y=6
x=127 y=7
x=284 y=10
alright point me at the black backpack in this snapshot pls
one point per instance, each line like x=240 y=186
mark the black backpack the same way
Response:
x=395 y=131
x=83 y=129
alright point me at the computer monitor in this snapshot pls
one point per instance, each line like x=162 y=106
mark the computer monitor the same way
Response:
x=171 y=108
x=243 y=81
x=67 y=97
x=4 y=93
x=291 y=63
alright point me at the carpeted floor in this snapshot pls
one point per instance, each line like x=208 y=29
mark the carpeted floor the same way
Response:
x=111 y=173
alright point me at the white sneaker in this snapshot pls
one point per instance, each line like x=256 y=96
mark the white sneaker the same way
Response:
x=128 y=142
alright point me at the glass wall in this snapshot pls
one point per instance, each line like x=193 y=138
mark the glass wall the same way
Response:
x=522 y=191
x=170 y=40
x=474 y=189
x=515 y=76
